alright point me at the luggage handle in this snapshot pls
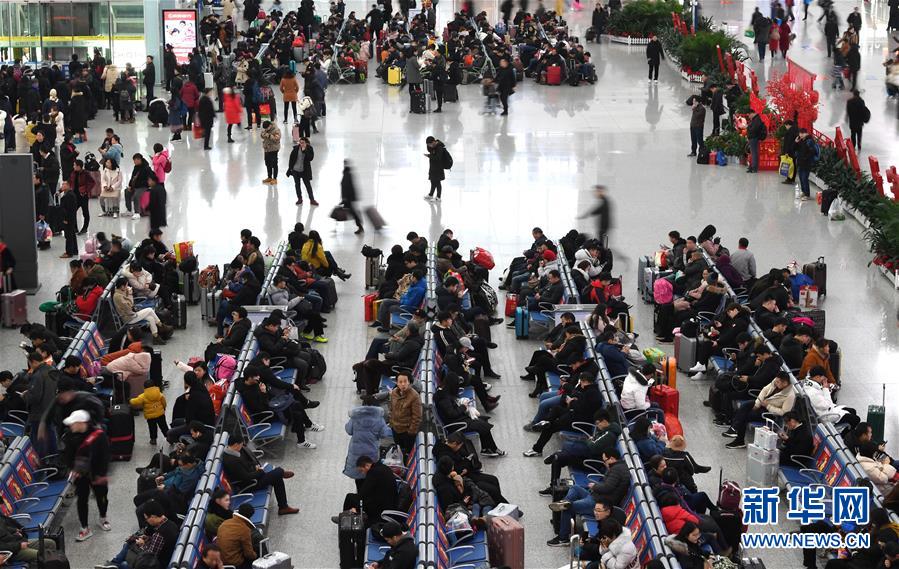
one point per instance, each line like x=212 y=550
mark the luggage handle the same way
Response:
x=883 y=401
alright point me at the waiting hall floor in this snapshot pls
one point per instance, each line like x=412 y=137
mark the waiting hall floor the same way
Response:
x=534 y=167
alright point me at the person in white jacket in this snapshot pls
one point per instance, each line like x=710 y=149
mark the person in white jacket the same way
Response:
x=110 y=188
x=616 y=546
x=818 y=389
x=592 y=253
x=877 y=468
x=634 y=392
x=141 y=281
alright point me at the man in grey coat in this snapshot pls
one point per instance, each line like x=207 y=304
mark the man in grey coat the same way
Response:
x=41 y=390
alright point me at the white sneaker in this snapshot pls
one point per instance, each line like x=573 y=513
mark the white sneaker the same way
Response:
x=697 y=367
x=307 y=445
x=436 y=199
x=696 y=376
x=105 y=525
x=488 y=386
x=428 y=198
x=135 y=216
x=84 y=535
x=115 y=216
x=316 y=427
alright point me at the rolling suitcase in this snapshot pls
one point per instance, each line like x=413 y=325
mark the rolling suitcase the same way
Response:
x=666 y=397
x=642 y=264
x=351 y=540
x=120 y=428
x=394 y=75
x=554 y=75
x=752 y=563
x=179 y=310
x=330 y=298
x=377 y=221
x=762 y=467
x=511 y=304
x=209 y=304
x=818 y=272
x=522 y=323
x=373 y=271
x=505 y=542
x=273 y=560
x=876 y=416
x=156 y=367
x=417 y=102
x=685 y=352
x=190 y=286
x=369 y=303
x=450 y=93
x=668 y=367
x=14 y=309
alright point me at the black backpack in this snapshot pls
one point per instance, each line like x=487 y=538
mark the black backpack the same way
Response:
x=447 y=160
x=403 y=496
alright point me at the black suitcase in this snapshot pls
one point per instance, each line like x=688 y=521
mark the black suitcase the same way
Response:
x=450 y=93
x=190 y=286
x=55 y=321
x=120 y=428
x=55 y=215
x=147 y=478
x=817 y=316
x=156 y=368
x=417 y=104
x=731 y=524
x=818 y=273
x=330 y=298
x=179 y=310
x=351 y=540
x=54 y=559
x=590 y=35
x=827 y=197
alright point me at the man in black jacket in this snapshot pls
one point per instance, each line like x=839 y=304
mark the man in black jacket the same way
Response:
x=654 y=56
x=755 y=133
x=856 y=111
x=717 y=107
x=235 y=335
x=406 y=356
x=243 y=470
x=577 y=407
x=149 y=79
x=206 y=115
x=505 y=84
x=403 y=553
x=469 y=465
x=797 y=440
x=158 y=537
x=50 y=168
x=793 y=347
x=806 y=156
x=277 y=343
x=550 y=293
x=376 y=493
x=605 y=437
x=69 y=204
x=788 y=146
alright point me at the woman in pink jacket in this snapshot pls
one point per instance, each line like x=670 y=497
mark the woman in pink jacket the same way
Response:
x=132 y=365
x=161 y=161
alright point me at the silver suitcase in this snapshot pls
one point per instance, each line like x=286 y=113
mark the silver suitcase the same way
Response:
x=273 y=560
x=762 y=467
x=209 y=304
x=685 y=352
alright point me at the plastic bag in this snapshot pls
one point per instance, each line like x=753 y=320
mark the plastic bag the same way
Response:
x=836 y=210
x=393 y=459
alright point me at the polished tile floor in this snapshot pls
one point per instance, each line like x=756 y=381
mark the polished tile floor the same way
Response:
x=534 y=167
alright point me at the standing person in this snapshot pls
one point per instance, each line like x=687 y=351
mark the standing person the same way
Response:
x=137 y=184
x=153 y=404
x=161 y=162
x=176 y=117
x=233 y=110
x=49 y=169
x=366 y=427
x=717 y=107
x=149 y=79
x=206 y=116
x=806 y=154
x=158 y=198
x=190 y=96
x=854 y=19
x=69 y=204
x=299 y=166
x=854 y=62
x=858 y=114
x=169 y=63
x=439 y=77
x=787 y=147
x=290 y=90
x=756 y=132
x=87 y=455
x=68 y=152
x=110 y=188
x=251 y=95
x=602 y=212
x=786 y=38
x=505 y=84
x=831 y=32
x=654 y=56
x=805 y=4
x=697 y=124
x=436 y=163
x=348 y=197
x=405 y=413
x=81 y=183
x=271 y=144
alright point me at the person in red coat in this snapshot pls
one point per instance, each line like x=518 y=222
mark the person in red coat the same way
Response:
x=233 y=110
x=190 y=96
x=86 y=303
x=785 y=38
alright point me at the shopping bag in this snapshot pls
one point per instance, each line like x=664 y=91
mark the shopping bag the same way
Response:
x=340 y=214
x=836 y=210
x=198 y=130
x=786 y=166
x=265 y=111
x=183 y=250
x=808 y=296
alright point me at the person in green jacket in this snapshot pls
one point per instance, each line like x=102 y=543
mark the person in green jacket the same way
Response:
x=604 y=438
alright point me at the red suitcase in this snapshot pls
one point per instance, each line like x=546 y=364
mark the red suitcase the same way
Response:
x=505 y=542
x=673 y=426
x=666 y=397
x=14 y=309
x=554 y=75
x=511 y=304
x=369 y=300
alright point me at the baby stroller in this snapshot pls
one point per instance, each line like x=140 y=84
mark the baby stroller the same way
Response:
x=492 y=97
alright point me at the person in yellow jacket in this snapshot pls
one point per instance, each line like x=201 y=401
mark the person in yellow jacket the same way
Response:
x=153 y=403
x=313 y=252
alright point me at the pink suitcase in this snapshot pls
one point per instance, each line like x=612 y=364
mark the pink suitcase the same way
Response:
x=505 y=542
x=14 y=309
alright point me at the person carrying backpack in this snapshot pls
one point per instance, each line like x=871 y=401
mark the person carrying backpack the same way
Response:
x=162 y=162
x=439 y=159
x=858 y=114
x=807 y=154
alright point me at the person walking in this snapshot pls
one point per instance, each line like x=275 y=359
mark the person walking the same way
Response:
x=82 y=183
x=158 y=198
x=290 y=90
x=69 y=204
x=854 y=62
x=654 y=57
x=858 y=114
x=806 y=155
x=149 y=79
x=299 y=166
x=831 y=32
x=505 y=84
x=436 y=164
x=697 y=124
x=762 y=29
x=602 y=211
x=233 y=110
x=87 y=455
x=271 y=144
x=348 y=196
x=756 y=132
x=786 y=38
x=176 y=117
x=206 y=116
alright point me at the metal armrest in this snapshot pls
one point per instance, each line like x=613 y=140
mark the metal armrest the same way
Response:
x=262 y=417
x=576 y=426
x=259 y=427
x=455 y=426
x=596 y=465
x=50 y=470
x=394 y=516
x=799 y=463
x=812 y=475
x=20 y=416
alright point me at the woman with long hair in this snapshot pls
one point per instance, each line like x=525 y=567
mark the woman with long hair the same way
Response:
x=110 y=188
x=313 y=252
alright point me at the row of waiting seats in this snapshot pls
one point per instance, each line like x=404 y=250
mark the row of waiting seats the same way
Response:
x=832 y=464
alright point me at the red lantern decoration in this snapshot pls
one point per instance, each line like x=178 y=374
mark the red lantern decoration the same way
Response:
x=813 y=97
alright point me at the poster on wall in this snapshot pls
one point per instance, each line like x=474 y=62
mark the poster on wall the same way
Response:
x=180 y=31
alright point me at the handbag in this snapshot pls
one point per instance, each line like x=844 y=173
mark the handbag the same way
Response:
x=786 y=166
x=340 y=213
